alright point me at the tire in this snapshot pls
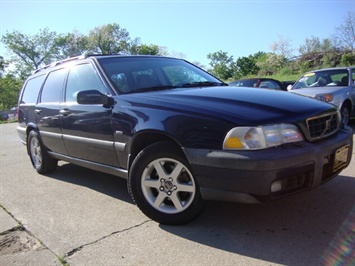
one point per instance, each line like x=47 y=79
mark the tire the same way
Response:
x=345 y=114
x=162 y=185
x=39 y=156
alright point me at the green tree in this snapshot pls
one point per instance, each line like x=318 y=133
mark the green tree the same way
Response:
x=280 y=51
x=109 y=39
x=71 y=44
x=316 y=53
x=145 y=49
x=2 y=66
x=270 y=63
x=348 y=59
x=29 y=52
x=247 y=66
x=312 y=45
x=222 y=65
x=10 y=87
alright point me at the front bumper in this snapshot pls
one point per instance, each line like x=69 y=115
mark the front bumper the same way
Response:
x=247 y=176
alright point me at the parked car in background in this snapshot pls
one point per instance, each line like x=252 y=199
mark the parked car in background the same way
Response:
x=178 y=135
x=4 y=116
x=8 y=114
x=267 y=83
x=332 y=85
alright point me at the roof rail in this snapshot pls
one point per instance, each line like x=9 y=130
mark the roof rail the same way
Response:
x=70 y=58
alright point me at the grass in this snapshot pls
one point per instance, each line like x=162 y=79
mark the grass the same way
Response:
x=292 y=77
x=63 y=261
x=8 y=121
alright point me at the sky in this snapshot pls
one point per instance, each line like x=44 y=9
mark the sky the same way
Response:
x=192 y=28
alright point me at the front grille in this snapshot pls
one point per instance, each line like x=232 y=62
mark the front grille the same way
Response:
x=322 y=126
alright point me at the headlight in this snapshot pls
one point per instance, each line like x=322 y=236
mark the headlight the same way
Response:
x=325 y=97
x=262 y=137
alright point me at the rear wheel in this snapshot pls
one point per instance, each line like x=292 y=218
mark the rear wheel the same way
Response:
x=162 y=185
x=39 y=156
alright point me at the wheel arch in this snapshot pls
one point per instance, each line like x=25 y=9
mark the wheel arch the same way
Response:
x=166 y=196
x=29 y=128
x=144 y=139
x=347 y=103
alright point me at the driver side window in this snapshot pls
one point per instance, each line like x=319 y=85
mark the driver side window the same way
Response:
x=81 y=78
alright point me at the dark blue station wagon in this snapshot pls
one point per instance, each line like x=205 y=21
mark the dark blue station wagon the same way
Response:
x=177 y=134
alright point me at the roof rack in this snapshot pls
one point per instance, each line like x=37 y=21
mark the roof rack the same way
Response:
x=70 y=58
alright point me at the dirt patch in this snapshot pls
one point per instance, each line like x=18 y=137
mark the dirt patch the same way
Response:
x=18 y=241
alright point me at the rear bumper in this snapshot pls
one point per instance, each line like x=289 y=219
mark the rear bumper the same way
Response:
x=247 y=176
x=21 y=131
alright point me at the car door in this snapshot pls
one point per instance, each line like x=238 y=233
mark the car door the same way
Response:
x=47 y=111
x=87 y=130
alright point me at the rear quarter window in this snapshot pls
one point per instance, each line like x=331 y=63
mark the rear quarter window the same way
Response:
x=31 y=90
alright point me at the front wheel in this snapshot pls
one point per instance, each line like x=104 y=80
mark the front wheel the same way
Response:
x=40 y=159
x=162 y=185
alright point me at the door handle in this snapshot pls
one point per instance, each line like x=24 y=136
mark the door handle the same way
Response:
x=64 y=112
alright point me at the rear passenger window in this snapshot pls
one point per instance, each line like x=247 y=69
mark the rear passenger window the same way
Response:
x=53 y=87
x=81 y=78
x=31 y=90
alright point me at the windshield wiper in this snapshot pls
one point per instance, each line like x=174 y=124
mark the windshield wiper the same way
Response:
x=185 y=85
x=203 y=84
x=155 y=88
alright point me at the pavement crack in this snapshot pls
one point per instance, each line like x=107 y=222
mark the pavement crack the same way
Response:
x=75 y=250
x=19 y=240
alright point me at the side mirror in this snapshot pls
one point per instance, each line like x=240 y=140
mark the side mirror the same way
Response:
x=94 y=97
x=289 y=87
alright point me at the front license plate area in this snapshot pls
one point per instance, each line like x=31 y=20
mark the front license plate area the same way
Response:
x=341 y=158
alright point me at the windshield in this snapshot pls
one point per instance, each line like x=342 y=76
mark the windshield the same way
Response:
x=337 y=77
x=139 y=74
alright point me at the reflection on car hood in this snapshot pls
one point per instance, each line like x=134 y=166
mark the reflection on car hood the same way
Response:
x=240 y=105
x=317 y=90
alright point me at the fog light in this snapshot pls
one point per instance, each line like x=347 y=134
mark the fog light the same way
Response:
x=276 y=186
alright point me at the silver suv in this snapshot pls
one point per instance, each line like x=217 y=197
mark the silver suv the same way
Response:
x=333 y=85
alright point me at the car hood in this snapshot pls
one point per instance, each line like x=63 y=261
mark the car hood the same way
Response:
x=312 y=92
x=237 y=105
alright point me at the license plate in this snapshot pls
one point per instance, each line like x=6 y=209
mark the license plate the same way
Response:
x=341 y=158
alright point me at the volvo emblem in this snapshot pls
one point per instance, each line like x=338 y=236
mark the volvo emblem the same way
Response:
x=327 y=126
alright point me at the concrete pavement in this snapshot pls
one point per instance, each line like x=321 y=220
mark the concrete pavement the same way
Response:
x=75 y=216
